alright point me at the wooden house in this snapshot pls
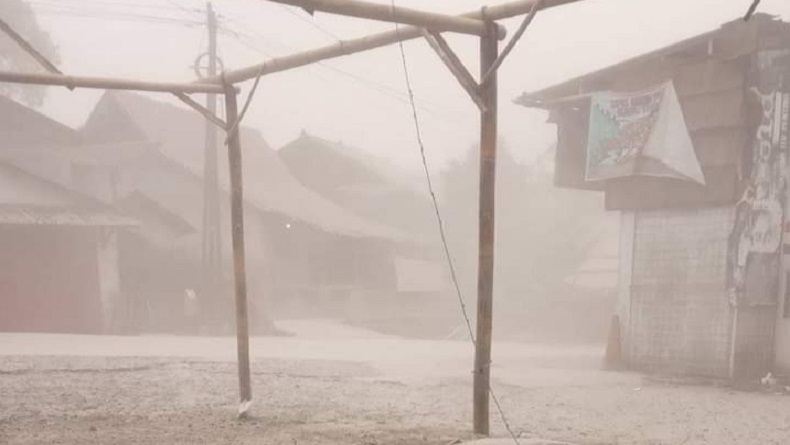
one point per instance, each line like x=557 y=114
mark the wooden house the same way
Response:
x=702 y=276
x=58 y=262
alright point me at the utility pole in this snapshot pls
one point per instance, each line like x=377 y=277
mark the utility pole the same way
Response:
x=212 y=240
x=239 y=263
x=489 y=48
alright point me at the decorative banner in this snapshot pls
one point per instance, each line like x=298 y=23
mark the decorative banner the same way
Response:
x=640 y=133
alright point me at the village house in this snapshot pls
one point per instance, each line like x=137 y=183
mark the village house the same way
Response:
x=702 y=277
x=306 y=256
x=58 y=263
x=372 y=188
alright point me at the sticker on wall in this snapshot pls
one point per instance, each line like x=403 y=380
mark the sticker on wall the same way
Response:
x=759 y=221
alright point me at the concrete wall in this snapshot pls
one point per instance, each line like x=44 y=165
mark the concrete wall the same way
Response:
x=678 y=314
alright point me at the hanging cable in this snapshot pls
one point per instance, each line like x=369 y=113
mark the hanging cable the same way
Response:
x=440 y=223
x=310 y=22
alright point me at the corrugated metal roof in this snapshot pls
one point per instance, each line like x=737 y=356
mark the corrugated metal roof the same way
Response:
x=30 y=215
x=269 y=185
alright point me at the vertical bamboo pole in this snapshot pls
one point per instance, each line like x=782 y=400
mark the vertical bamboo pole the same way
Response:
x=239 y=267
x=485 y=270
x=212 y=237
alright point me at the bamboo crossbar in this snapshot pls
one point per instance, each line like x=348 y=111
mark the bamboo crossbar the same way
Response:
x=374 y=41
x=396 y=14
x=106 y=83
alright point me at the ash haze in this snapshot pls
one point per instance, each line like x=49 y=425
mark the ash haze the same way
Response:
x=561 y=43
x=628 y=285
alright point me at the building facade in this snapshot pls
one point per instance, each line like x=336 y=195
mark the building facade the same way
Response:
x=702 y=275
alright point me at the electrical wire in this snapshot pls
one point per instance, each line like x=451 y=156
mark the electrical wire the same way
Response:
x=440 y=223
x=308 y=21
x=98 y=11
x=251 y=42
x=127 y=17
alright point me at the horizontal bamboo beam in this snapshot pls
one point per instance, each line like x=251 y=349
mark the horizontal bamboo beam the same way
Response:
x=396 y=14
x=373 y=41
x=104 y=83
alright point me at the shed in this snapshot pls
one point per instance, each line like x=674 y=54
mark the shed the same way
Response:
x=699 y=273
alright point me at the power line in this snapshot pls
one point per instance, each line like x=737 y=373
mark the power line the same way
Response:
x=248 y=40
x=102 y=12
x=180 y=7
x=72 y=11
x=308 y=21
x=440 y=223
x=105 y=3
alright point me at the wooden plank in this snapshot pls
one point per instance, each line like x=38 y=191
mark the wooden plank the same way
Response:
x=646 y=193
x=396 y=14
x=708 y=76
x=720 y=146
x=715 y=110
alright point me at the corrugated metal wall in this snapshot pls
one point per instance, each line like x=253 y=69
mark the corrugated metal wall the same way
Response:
x=680 y=315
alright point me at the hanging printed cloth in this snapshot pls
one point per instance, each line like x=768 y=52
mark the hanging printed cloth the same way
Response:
x=640 y=134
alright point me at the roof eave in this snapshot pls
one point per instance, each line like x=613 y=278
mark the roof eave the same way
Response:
x=560 y=91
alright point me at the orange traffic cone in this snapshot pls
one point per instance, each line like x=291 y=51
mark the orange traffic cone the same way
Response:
x=614 y=356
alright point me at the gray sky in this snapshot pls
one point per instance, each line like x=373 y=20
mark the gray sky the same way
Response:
x=361 y=99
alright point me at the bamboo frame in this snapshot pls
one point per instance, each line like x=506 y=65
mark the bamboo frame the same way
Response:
x=396 y=14
x=224 y=85
x=373 y=41
x=512 y=43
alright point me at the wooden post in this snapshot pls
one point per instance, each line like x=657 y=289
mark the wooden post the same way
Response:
x=485 y=269
x=239 y=267
x=212 y=237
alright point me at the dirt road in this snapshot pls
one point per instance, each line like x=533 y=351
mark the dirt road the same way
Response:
x=331 y=384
